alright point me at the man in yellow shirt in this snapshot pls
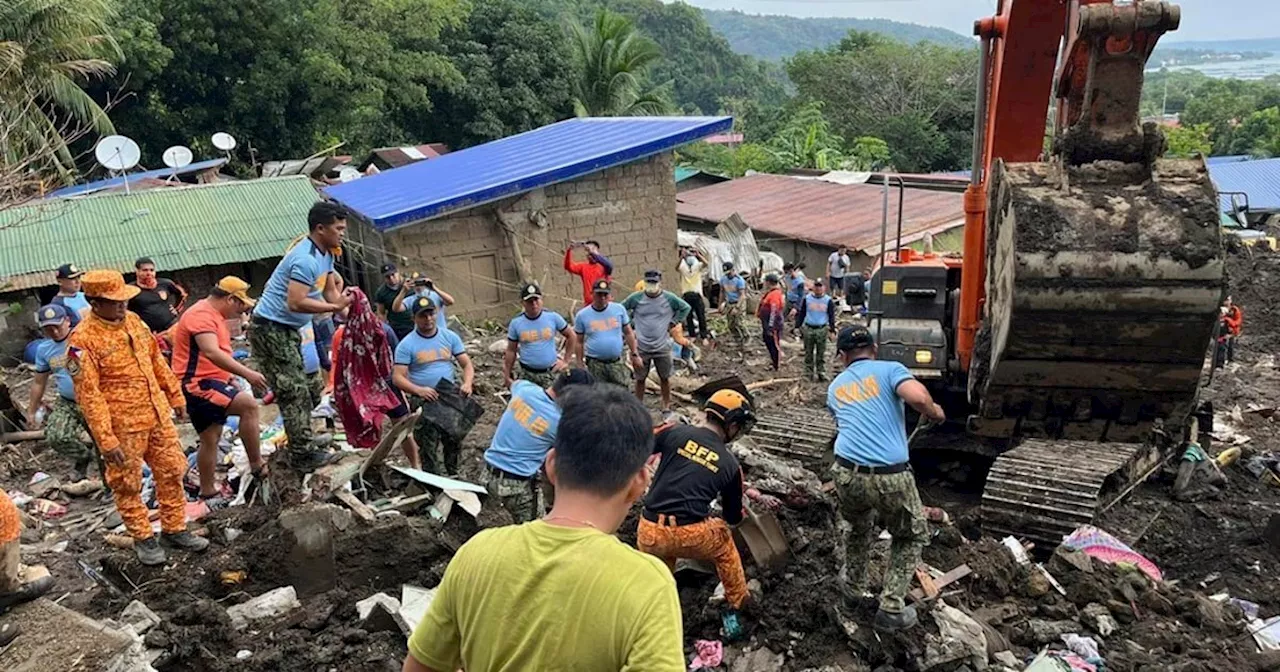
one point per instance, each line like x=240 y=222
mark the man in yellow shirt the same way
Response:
x=563 y=592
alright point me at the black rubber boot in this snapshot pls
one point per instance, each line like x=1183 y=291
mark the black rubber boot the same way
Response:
x=26 y=592
x=889 y=622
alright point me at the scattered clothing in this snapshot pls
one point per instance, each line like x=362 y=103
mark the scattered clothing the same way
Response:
x=160 y=304
x=709 y=654
x=304 y=263
x=537 y=339
x=362 y=389
x=540 y=596
x=596 y=267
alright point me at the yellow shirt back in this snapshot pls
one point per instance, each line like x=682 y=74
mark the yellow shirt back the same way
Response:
x=542 y=597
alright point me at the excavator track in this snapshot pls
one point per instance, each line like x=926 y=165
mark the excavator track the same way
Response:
x=798 y=433
x=1043 y=490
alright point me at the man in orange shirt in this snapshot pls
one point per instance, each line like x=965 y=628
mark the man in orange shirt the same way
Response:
x=202 y=361
x=770 y=313
x=128 y=395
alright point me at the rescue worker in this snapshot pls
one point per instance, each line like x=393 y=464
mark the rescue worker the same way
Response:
x=872 y=473
x=597 y=266
x=772 y=314
x=70 y=294
x=797 y=285
x=302 y=286
x=531 y=340
x=696 y=468
x=603 y=328
x=422 y=360
x=692 y=266
x=732 y=290
x=129 y=395
x=1231 y=322
x=816 y=318
x=520 y=444
x=65 y=428
x=655 y=313
x=12 y=589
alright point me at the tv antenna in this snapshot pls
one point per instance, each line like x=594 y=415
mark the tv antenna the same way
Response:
x=118 y=154
x=349 y=174
x=225 y=142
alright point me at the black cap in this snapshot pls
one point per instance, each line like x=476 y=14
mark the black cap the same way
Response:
x=388 y=269
x=143 y=260
x=771 y=278
x=788 y=267
x=423 y=303
x=531 y=290
x=728 y=265
x=69 y=272
x=854 y=337
x=600 y=286
x=652 y=275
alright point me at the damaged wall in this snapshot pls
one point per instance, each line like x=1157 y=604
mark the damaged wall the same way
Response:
x=629 y=209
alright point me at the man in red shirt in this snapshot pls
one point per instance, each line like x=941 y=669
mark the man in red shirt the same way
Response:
x=1232 y=320
x=771 y=311
x=596 y=266
x=203 y=363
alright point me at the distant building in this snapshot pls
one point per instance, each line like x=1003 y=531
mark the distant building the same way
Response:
x=691 y=178
x=386 y=158
x=605 y=179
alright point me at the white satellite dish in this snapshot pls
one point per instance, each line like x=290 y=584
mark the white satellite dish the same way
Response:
x=348 y=174
x=116 y=152
x=224 y=141
x=177 y=156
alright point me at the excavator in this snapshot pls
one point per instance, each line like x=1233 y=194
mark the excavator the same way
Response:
x=1075 y=324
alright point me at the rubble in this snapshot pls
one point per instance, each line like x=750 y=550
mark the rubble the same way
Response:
x=265 y=607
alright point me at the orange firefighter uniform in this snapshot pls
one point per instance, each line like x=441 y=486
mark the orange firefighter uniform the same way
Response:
x=127 y=394
x=10 y=531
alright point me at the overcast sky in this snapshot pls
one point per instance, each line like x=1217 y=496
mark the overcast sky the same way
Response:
x=1201 y=19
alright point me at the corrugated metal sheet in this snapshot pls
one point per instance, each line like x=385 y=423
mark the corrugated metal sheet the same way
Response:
x=556 y=153
x=817 y=211
x=159 y=174
x=1259 y=179
x=179 y=227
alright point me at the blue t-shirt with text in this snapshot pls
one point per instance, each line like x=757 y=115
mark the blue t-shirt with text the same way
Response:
x=526 y=431
x=869 y=413
x=537 y=338
x=76 y=304
x=51 y=358
x=816 y=311
x=732 y=287
x=602 y=330
x=430 y=360
x=305 y=263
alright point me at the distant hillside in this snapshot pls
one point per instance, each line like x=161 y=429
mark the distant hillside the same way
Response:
x=774 y=38
x=1271 y=44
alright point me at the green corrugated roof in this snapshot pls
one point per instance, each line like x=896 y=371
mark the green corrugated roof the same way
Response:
x=178 y=227
x=685 y=172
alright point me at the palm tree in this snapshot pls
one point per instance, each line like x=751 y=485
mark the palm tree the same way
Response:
x=613 y=61
x=48 y=49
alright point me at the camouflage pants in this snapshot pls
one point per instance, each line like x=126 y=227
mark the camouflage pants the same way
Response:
x=815 y=350
x=67 y=433
x=438 y=451
x=278 y=354
x=521 y=498
x=892 y=498
x=610 y=372
x=539 y=378
x=733 y=315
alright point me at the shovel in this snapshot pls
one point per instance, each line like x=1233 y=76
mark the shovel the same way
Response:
x=764 y=538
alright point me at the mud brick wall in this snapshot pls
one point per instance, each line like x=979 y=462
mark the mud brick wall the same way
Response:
x=629 y=209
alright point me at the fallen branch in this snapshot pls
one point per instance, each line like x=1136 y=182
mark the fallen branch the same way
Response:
x=752 y=387
x=943 y=581
x=17 y=437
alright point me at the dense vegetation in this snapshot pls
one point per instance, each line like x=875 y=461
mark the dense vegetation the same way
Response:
x=777 y=37
x=1222 y=116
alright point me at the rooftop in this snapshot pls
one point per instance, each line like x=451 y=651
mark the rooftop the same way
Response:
x=179 y=227
x=1259 y=179
x=556 y=153
x=119 y=181
x=818 y=211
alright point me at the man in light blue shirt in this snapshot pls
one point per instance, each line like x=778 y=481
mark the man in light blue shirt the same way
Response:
x=872 y=473
x=531 y=340
x=525 y=434
x=69 y=295
x=732 y=290
x=602 y=329
x=64 y=424
x=815 y=316
x=423 y=360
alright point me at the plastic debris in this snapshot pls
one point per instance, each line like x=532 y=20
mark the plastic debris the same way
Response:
x=20 y=499
x=710 y=653
x=1015 y=547
x=1097 y=543
x=48 y=509
x=414 y=602
x=365 y=607
x=243 y=654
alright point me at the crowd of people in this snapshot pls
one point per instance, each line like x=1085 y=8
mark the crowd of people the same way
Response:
x=574 y=449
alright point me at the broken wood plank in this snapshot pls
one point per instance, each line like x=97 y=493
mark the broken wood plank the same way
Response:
x=331 y=477
x=358 y=507
x=407 y=503
x=16 y=437
x=395 y=434
x=927 y=583
x=751 y=387
x=944 y=581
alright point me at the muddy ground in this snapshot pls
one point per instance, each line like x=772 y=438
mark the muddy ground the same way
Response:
x=1203 y=548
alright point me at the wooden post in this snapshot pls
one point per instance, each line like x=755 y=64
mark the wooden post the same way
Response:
x=508 y=221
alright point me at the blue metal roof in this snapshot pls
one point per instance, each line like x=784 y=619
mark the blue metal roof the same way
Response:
x=159 y=174
x=513 y=165
x=1259 y=179
x=1234 y=158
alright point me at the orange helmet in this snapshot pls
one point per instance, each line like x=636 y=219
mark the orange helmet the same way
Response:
x=731 y=407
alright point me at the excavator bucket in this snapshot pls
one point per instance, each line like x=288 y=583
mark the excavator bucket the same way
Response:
x=1103 y=287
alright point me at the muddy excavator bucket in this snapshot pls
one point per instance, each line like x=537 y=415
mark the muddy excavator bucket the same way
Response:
x=1103 y=287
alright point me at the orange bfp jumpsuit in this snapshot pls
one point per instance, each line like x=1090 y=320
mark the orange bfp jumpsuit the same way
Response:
x=10 y=534
x=127 y=393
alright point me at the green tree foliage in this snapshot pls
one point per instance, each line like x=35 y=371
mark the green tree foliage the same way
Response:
x=612 y=62
x=1222 y=104
x=517 y=73
x=917 y=98
x=49 y=49
x=1188 y=141
x=1259 y=135
x=778 y=37
x=808 y=142
x=730 y=161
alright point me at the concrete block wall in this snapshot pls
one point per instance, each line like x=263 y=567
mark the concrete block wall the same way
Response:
x=629 y=209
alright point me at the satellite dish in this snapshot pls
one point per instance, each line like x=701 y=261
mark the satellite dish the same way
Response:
x=116 y=152
x=224 y=141
x=177 y=156
x=348 y=174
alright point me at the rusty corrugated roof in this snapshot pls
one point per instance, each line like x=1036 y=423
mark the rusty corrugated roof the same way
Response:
x=819 y=212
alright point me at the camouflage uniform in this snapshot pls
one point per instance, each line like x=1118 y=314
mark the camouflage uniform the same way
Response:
x=539 y=378
x=521 y=498
x=278 y=353
x=733 y=314
x=894 y=498
x=615 y=372
x=815 y=350
x=66 y=432
x=439 y=451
